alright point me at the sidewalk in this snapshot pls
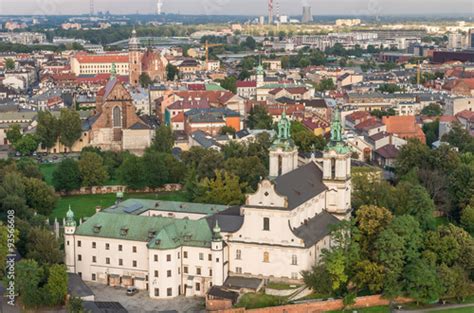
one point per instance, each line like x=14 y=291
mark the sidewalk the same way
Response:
x=439 y=308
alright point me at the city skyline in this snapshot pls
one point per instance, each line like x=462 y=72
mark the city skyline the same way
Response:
x=243 y=7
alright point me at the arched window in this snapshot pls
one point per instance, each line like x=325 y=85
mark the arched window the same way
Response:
x=266 y=257
x=117 y=117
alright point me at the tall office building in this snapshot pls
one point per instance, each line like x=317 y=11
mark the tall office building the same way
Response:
x=307 y=15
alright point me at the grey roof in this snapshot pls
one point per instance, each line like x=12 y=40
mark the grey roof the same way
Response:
x=242 y=133
x=229 y=220
x=139 y=125
x=300 y=185
x=103 y=307
x=204 y=139
x=220 y=293
x=316 y=228
x=76 y=286
x=237 y=283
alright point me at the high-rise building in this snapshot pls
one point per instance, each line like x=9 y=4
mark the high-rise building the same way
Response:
x=270 y=12
x=307 y=15
x=159 y=7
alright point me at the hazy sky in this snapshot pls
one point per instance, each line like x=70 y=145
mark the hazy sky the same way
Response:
x=250 y=7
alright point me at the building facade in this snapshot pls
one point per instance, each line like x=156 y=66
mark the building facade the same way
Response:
x=171 y=248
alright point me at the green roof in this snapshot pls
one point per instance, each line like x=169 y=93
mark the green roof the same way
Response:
x=214 y=87
x=159 y=232
x=144 y=205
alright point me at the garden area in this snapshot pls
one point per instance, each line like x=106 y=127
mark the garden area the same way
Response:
x=84 y=205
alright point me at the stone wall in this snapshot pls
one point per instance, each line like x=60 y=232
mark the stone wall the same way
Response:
x=316 y=307
x=120 y=188
x=218 y=304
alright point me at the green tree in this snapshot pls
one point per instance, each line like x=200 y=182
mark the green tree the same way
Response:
x=67 y=175
x=93 y=171
x=431 y=131
x=57 y=284
x=40 y=196
x=250 y=43
x=422 y=282
x=413 y=199
x=412 y=155
x=259 y=118
x=47 y=129
x=70 y=127
x=370 y=221
x=459 y=137
x=156 y=171
x=224 y=189
x=432 y=109
x=164 y=139
x=325 y=85
x=75 y=305
x=336 y=265
x=9 y=64
x=227 y=130
x=14 y=133
x=133 y=172
x=145 y=80
x=27 y=144
x=171 y=72
x=28 y=277
x=467 y=219
x=43 y=247
x=369 y=275
x=454 y=282
x=4 y=248
x=229 y=83
x=250 y=170
x=29 y=168
x=389 y=88
x=318 y=279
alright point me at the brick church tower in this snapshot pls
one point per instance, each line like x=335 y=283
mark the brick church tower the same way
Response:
x=134 y=59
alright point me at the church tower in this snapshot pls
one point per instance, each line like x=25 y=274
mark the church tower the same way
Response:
x=69 y=244
x=337 y=171
x=260 y=75
x=283 y=152
x=217 y=248
x=134 y=59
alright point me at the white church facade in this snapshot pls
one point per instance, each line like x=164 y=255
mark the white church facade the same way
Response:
x=172 y=248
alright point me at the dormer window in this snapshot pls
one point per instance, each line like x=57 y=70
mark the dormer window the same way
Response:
x=97 y=228
x=124 y=231
x=151 y=234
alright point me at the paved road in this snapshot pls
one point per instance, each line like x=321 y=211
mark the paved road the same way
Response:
x=142 y=303
x=440 y=308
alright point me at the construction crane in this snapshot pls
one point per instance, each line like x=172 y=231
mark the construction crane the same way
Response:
x=208 y=45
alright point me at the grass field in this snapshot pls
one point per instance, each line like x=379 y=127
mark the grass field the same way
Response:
x=47 y=171
x=84 y=206
x=458 y=310
x=374 y=309
x=259 y=300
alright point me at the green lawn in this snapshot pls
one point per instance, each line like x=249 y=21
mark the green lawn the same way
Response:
x=374 y=309
x=84 y=206
x=281 y=286
x=259 y=300
x=47 y=171
x=459 y=310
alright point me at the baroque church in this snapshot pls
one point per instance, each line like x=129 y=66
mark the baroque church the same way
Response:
x=148 y=61
x=175 y=248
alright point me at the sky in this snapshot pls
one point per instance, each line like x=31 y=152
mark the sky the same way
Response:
x=241 y=7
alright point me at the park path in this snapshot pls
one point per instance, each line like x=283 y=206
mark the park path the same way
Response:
x=440 y=308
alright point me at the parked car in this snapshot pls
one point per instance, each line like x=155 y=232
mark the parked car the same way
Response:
x=132 y=291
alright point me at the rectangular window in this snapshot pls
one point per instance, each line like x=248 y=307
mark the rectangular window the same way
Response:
x=294 y=260
x=78 y=243
x=168 y=273
x=79 y=257
x=157 y=292
x=294 y=275
x=156 y=257
x=185 y=254
x=134 y=263
x=179 y=255
x=107 y=246
x=67 y=242
x=209 y=257
x=185 y=270
x=94 y=260
x=198 y=286
x=93 y=245
x=179 y=270
x=120 y=262
x=238 y=254
x=107 y=260
x=93 y=276
x=168 y=257
x=169 y=292
x=201 y=256
x=238 y=270
x=120 y=247
x=198 y=271
x=210 y=272
x=266 y=223
x=156 y=273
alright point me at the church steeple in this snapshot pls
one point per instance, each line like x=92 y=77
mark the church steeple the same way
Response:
x=283 y=152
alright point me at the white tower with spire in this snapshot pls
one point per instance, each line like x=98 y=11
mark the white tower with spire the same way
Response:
x=217 y=247
x=283 y=152
x=337 y=171
x=69 y=243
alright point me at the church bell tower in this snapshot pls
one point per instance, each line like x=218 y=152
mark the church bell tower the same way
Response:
x=134 y=59
x=337 y=171
x=283 y=152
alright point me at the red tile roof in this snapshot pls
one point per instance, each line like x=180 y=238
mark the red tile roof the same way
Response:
x=105 y=58
x=246 y=84
x=404 y=127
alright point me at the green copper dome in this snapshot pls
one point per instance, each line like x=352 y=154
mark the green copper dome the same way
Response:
x=336 y=143
x=283 y=139
x=70 y=221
